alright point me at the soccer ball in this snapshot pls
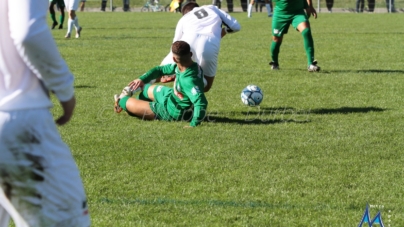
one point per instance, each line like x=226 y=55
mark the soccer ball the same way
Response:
x=252 y=95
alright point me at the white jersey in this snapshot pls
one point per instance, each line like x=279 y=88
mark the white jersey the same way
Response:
x=30 y=63
x=205 y=20
x=201 y=28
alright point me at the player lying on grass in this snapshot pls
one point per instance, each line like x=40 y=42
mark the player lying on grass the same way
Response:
x=184 y=101
x=201 y=27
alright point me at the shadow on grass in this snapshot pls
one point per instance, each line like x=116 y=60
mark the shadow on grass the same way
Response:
x=340 y=110
x=277 y=115
x=216 y=119
x=84 y=86
x=347 y=110
x=375 y=71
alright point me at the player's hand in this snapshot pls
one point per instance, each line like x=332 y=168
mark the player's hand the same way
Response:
x=223 y=32
x=68 y=108
x=135 y=84
x=166 y=79
x=311 y=11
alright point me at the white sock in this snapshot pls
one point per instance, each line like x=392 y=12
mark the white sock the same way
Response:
x=76 y=23
x=268 y=9
x=69 y=25
x=249 y=10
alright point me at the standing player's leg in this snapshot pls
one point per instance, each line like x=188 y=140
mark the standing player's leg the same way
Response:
x=268 y=6
x=279 y=28
x=249 y=9
x=303 y=26
x=52 y=14
x=72 y=6
x=61 y=6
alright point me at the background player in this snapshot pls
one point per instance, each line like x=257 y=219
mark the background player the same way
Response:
x=183 y=102
x=61 y=5
x=267 y=5
x=72 y=6
x=201 y=27
x=40 y=184
x=293 y=12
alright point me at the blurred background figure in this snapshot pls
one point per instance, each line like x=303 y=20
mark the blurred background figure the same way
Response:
x=252 y=2
x=82 y=5
x=330 y=4
x=360 y=4
x=390 y=6
x=217 y=3
x=126 y=6
x=60 y=4
x=371 y=6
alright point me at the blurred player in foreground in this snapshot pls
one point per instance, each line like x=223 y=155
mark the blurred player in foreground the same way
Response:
x=201 y=28
x=185 y=101
x=40 y=184
x=295 y=12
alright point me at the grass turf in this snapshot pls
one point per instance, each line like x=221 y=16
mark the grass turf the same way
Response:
x=320 y=147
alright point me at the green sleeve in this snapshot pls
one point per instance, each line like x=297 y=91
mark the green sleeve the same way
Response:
x=198 y=99
x=157 y=72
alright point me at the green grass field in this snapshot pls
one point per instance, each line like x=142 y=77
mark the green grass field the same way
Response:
x=320 y=147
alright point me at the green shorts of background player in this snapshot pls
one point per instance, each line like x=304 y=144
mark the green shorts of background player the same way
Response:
x=61 y=5
x=299 y=19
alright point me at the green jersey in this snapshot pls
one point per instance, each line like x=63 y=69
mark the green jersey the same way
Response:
x=289 y=6
x=187 y=93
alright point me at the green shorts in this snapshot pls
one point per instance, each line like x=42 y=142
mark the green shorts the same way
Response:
x=282 y=21
x=162 y=95
x=159 y=106
x=60 y=3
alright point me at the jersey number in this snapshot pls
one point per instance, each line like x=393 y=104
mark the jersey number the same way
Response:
x=201 y=13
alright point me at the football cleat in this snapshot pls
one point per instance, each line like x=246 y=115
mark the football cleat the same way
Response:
x=67 y=36
x=78 y=32
x=117 y=108
x=274 y=65
x=54 y=24
x=313 y=67
x=61 y=26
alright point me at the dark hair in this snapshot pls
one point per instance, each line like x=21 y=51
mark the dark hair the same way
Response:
x=188 y=6
x=181 y=48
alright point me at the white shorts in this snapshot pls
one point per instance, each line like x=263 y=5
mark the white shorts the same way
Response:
x=40 y=184
x=72 y=4
x=205 y=52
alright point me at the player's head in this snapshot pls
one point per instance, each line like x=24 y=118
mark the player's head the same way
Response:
x=188 y=6
x=181 y=52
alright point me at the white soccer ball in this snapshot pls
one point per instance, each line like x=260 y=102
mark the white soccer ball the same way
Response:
x=252 y=95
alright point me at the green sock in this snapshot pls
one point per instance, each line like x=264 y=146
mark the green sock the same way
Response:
x=143 y=95
x=122 y=102
x=275 y=47
x=53 y=17
x=308 y=45
x=61 y=19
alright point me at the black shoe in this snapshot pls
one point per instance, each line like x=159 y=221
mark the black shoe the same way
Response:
x=54 y=24
x=61 y=26
x=274 y=65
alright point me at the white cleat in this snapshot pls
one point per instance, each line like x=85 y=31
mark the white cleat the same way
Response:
x=78 y=32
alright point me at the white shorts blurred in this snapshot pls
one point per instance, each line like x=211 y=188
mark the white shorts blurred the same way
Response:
x=40 y=184
x=72 y=4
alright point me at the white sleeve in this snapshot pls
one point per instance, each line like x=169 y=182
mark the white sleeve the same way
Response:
x=178 y=31
x=230 y=22
x=35 y=44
